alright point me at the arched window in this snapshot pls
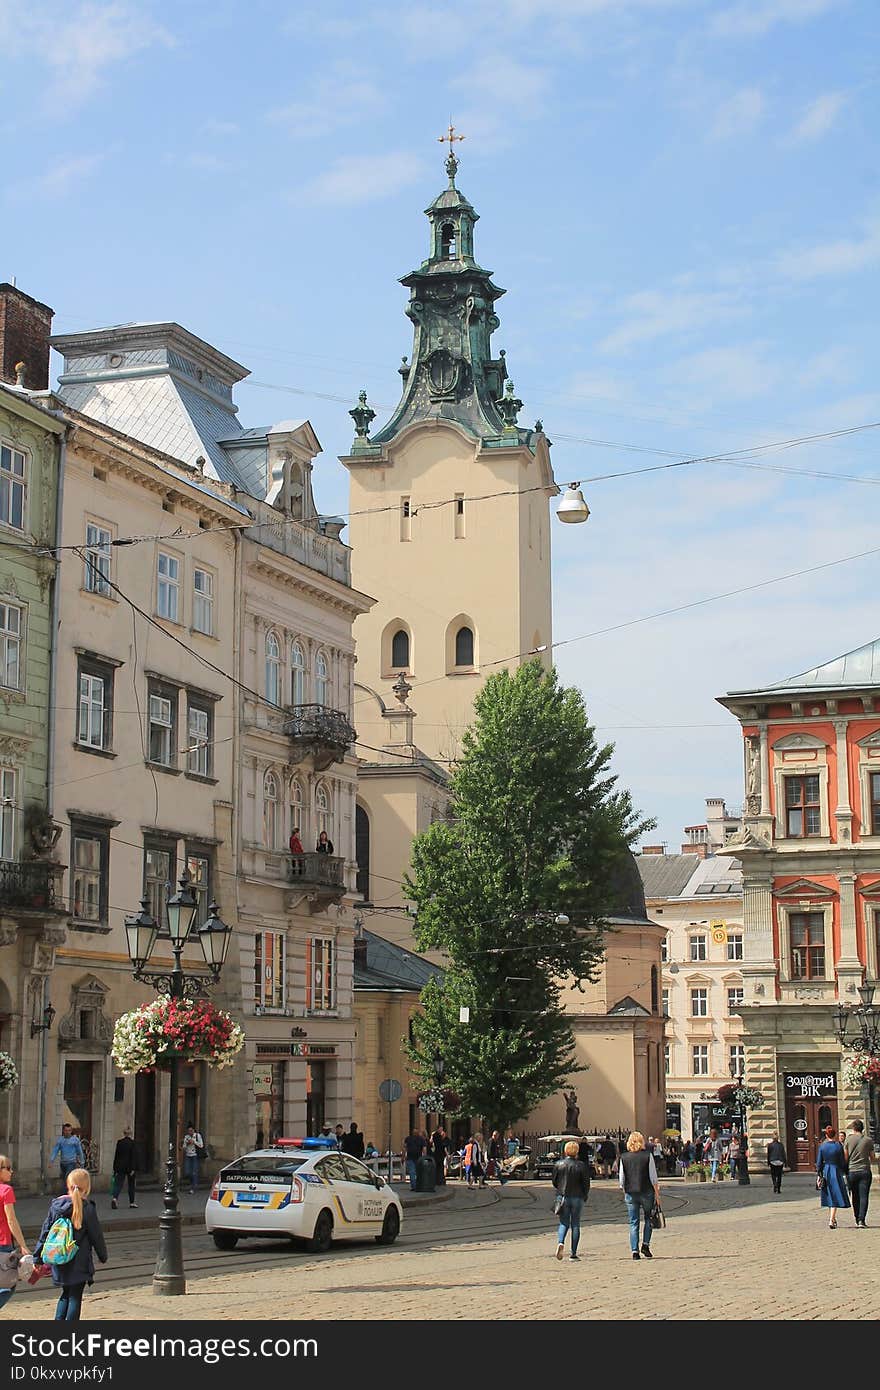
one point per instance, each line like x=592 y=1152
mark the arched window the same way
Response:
x=322 y=679
x=273 y=668
x=400 y=650
x=323 y=811
x=297 y=674
x=362 y=851
x=448 y=250
x=464 y=647
x=296 y=808
x=270 y=810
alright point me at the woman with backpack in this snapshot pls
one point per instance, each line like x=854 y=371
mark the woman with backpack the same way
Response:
x=72 y=1268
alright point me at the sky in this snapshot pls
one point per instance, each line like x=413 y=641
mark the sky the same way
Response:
x=681 y=198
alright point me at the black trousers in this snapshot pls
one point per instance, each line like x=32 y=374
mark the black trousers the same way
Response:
x=776 y=1175
x=860 y=1187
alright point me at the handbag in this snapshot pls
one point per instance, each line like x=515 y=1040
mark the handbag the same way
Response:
x=557 y=1203
x=9 y=1262
x=657 y=1219
x=821 y=1182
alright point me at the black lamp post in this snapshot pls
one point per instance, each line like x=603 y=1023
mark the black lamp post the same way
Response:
x=864 y=1018
x=742 y=1171
x=142 y=932
x=47 y=1021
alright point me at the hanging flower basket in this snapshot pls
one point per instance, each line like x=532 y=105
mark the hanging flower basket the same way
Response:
x=8 y=1072
x=861 y=1068
x=739 y=1097
x=439 y=1102
x=167 y=1029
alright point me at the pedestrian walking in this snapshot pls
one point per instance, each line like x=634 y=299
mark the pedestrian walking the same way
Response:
x=641 y=1189
x=474 y=1162
x=71 y=1278
x=192 y=1145
x=413 y=1148
x=608 y=1156
x=571 y=1179
x=353 y=1142
x=495 y=1157
x=123 y=1169
x=776 y=1161
x=69 y=1152
x=859 y=1150
x=830 y=1179
x=10 y=1231
x=440 y=1147
x=714 y=1151
x=734 y=1150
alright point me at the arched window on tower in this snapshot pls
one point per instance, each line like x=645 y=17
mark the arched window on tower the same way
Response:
x=464 y=647
x=448 y=247
x=297 y=674
x=322 y=679
x=400 y=650
x=362 y=851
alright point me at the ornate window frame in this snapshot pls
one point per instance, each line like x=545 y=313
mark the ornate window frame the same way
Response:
x=800 y=755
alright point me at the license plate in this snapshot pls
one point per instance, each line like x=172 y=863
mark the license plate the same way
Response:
x=253 y=1196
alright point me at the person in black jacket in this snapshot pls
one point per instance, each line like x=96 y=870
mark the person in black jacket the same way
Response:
x=72 y=1277
x=571 y=1178
x=123 y=1169
x=352 y=1142
x=776 y=1161
x=641 y=1190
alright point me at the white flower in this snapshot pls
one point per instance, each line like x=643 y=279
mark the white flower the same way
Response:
x=8 y=1072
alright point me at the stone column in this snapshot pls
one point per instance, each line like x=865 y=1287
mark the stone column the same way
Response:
x=848 y=965
x=843 y=811
x=759 y=962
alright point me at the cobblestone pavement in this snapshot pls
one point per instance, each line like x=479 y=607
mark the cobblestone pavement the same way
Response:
x=489 y=1255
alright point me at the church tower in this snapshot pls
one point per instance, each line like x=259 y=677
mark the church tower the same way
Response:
x=449 y=519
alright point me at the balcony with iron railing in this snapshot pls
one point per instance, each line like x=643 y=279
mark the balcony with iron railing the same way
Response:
x=31 y=888
x=317 y=731
x=325 y=872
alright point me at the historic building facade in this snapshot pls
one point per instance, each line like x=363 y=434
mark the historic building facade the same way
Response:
x=810 y=854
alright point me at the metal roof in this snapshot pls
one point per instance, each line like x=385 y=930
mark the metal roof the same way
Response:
x=664 y=875
x=392 y=967
x=855 y=670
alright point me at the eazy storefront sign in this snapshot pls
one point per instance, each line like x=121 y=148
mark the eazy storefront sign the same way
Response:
x=811 y=1085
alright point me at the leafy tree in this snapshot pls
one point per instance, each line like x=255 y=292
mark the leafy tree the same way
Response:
x=537 y=828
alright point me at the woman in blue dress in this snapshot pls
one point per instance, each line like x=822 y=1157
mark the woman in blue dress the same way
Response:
x=830 y=1169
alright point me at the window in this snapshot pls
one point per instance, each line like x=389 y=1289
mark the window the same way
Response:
x=464 y=647
x=270 y=810
x=269 y=961
x=737 y=1059
x=94 y=716
x=273 y=669
x=400 y=649
x=655 y=974
x=97 y=559
x=10 y=646
x=667 y=1058
x=665 y=998
x=297 y=674
x=405 y=519
x=459 y=516
x=160 y=861
x=13 y=486
x=807 y=931
x=320 y=974
x=700 y=1060
x=699 y=1003
x=89 y=859
x=874 y=780
x=698 y=948
x=447 y=242
x=734 y=946
x=168 y=587
x=322 y=679
x=8 y=809
x=323 y=811
x=664 y=950
x=199 y=738
x=163 y=726
x=198 y=865
x=734 y=998
x=203 y=601
x=362 y=851
x=802 y=813
x=296 y=808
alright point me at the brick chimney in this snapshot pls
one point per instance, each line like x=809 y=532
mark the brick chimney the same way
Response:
x=701 y=850
x=25 y=325
x=653 y=849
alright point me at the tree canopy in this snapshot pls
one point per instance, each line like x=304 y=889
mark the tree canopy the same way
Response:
x=537 y=830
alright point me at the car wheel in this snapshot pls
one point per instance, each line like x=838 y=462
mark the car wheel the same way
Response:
x=323 y=1234
x=390 y=1227
x=224 y=1240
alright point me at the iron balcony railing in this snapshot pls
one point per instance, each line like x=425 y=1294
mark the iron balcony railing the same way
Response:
x=29 y=886
x=316 y=870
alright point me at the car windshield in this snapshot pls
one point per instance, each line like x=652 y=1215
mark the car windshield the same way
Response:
x=263 y=1168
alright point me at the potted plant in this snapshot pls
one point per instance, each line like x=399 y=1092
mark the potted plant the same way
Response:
x=696 y=1172
x=188 y=1030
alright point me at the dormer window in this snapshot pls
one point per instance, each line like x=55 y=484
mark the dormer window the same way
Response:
x=448 y=242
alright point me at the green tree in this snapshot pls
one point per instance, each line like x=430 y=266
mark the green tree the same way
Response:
x=537 y=830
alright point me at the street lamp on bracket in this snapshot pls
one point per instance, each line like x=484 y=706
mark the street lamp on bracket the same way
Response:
x=858 y=1030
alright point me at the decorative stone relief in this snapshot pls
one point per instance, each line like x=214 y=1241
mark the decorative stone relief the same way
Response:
x=85 y=1027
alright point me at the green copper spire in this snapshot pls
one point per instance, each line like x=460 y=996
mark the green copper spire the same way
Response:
x=452 y=374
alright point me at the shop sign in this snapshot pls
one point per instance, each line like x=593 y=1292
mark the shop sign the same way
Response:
x=811 y=1085
x=279 y=1050
x=262 y=1081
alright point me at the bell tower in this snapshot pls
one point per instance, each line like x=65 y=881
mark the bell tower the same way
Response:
x=449 y=522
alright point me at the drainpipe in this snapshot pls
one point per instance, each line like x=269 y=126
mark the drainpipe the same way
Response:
x=53 y=626
x=44 y=1072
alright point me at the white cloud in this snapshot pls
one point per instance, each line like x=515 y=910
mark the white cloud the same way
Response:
x=340 y=97
x=834 y=257
x=818 y=118
x=57 y=180
x=756 y=17
x=724 y=373
x=652 y=314
x=363 y=178
x=738 y=115
x=84 y=46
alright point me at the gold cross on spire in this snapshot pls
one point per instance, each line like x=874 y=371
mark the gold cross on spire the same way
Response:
x=451 y=161
x=450 y=138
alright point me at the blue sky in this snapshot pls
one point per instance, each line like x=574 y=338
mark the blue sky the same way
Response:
x=681 y=199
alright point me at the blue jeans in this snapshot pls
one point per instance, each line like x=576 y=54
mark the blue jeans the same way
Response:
x=6 y=1294
x=715 y=1162
x=570 y=1220
x=411 y=1172
x=191 y=1171
x=635 y=1203
x=70 y=1303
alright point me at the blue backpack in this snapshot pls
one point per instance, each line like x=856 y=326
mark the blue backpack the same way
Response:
x=60 y=1245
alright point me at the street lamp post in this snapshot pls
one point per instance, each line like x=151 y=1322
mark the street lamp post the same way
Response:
x=142 y=932
x=865 y=1018
x=742 y=1172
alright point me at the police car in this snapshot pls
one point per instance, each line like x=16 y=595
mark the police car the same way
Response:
x=302 y=1189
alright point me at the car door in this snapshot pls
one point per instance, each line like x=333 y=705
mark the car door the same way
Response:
x=343 y=1196
x=368 y=1201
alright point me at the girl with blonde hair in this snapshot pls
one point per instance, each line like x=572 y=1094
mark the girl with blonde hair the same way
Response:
x=72 y=1277
x=641 y=1189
